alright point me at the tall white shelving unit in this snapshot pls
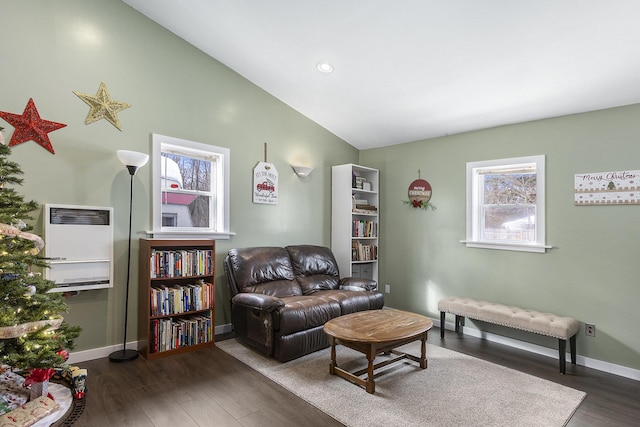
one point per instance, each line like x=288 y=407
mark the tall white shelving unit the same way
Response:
x=354 y=220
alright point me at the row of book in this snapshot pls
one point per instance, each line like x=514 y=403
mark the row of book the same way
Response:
x=170 y=334
x=361 y=252
x=181 y=263
x=364 y=228
x=176 y=299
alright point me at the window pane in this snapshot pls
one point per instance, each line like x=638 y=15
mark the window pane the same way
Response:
x=183 y=172
x=181 y=209
x=509 y=222
x=510 y=189
x=509 y=207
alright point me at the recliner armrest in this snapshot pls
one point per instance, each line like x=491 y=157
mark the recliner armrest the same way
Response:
x=358 y=284
x=260 y=302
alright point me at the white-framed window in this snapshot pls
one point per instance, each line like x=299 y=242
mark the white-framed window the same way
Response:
x=505 y=204
x=190 y=189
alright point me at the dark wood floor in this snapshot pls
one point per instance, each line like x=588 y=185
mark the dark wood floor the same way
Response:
x=210 y=388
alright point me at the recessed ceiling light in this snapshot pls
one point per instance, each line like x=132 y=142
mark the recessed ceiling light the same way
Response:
x=324 y=67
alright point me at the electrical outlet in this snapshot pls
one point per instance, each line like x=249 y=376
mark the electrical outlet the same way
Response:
x=387 y=289
x=589 y=330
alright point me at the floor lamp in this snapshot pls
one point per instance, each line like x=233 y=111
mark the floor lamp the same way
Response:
x=133 y=161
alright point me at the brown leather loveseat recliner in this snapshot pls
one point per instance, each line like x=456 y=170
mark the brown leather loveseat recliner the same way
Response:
x=282 y=297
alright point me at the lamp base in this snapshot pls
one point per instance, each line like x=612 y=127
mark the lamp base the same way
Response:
x=123 y=355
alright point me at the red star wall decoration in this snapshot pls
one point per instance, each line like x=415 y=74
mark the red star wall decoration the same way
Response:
x=30 y=127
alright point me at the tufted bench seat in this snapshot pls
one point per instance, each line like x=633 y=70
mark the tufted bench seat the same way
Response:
x=562 y=328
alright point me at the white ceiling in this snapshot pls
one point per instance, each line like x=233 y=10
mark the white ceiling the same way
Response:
x=407 y=70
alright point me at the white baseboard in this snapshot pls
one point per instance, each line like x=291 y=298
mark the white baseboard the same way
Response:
x=223 y=329
x=98 y=353
x=599 y=365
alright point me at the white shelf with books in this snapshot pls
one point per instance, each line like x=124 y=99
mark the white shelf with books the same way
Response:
x=355 y=219
x=176 y=296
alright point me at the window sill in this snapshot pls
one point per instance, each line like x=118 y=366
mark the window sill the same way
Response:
x=184 y=234
x=506 y=246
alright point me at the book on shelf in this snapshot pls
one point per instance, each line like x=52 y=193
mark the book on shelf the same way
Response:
x=181 y=263
x=366 y=207
x=176 y=299
x=364 y=228
x=171 y=334
x=362 y=252
x=364 y=211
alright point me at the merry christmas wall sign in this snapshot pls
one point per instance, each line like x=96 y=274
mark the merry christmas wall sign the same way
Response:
x=607 y=188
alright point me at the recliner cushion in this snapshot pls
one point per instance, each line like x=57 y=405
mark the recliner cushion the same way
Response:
x=354 y=301
x=304 y=312
x=314 y=267
x=265 y=270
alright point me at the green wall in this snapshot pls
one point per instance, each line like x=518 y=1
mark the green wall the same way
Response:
x=51 y=48
x=592 y=273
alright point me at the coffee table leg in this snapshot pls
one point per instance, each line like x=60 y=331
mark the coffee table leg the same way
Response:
x=423 y=352
x=332 y=365
x=371 y=356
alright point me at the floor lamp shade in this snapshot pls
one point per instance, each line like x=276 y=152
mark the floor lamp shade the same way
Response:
x=133 y=161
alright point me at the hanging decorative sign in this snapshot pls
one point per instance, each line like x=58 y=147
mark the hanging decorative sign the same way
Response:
x=265 y=184
x=607 y=188
x=419 y=194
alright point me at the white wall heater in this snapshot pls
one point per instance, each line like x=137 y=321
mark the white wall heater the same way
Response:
x=79 y=245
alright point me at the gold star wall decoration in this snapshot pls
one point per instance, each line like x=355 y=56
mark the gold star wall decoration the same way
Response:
x=102 y=106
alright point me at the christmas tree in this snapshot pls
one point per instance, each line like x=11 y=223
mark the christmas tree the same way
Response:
x=32 y=332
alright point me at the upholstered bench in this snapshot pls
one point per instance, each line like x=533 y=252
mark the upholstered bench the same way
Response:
x=562 y=328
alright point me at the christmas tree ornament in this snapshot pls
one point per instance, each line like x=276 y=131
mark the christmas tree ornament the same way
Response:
x=30 y=127
x=102 y=106
x=64 y=354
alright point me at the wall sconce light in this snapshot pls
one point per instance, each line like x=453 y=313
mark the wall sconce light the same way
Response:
x=302 y=171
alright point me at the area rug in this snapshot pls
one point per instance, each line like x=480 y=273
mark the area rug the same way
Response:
x=455 y=390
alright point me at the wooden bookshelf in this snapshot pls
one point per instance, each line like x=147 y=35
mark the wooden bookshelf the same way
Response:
x=176 y=297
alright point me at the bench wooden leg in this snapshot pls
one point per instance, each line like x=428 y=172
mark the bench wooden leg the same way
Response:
x=442 y=323
x=562 y=346
x=572 y=344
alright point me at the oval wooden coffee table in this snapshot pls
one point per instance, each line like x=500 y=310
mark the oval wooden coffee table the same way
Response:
x=373 y=332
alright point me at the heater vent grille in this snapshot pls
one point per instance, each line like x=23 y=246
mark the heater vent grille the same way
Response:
x=78 y=216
